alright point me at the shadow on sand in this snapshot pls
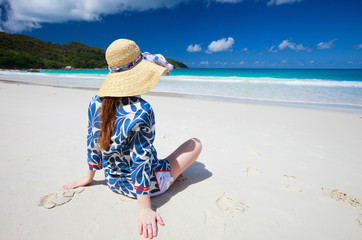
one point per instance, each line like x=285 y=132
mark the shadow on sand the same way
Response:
x=97 y=182
x=194 y=174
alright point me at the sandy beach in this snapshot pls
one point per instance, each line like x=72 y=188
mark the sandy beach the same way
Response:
x=266 y=171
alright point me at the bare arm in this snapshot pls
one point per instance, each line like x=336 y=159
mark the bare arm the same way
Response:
x=81 y=182
x=147 y=218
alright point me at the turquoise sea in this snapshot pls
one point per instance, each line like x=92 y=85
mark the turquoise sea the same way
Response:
x=326 y=74
x=309 y=86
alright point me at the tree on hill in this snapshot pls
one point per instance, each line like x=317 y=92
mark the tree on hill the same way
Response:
x=24 y=52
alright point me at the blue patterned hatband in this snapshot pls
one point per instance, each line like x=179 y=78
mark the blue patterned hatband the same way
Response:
x=125 y=67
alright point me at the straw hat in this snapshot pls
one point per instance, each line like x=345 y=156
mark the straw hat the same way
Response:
x=133 y=75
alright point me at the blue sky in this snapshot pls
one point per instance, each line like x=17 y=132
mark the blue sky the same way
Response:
x=204 y=33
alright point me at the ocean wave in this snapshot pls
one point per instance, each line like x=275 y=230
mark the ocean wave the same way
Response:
x=266 y=80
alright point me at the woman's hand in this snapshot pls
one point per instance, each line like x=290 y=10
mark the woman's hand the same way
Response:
x=81 y=182
x=147 y=218
x=147 y=222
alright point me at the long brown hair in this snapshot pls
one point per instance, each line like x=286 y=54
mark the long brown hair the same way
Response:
x=108 y=115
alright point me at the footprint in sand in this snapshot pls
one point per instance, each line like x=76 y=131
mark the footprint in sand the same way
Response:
x=289 y=177
x=359 y=221
x=290 y=186
x=231 y=206
x=215 y=225
x=251 y=171
x=342 y=197
x=345 y=198
x=59 y=198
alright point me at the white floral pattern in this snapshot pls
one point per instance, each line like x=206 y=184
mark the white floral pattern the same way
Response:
x=131 y=160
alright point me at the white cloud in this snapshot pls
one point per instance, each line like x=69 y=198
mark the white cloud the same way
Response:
x=358 y=46
x=279 y=2
x=220 y=63
x=26 y=15
x=220 y=45
x=242 y=62
x=244 y=49
x=293 y=46
x=285 y=44
x=284 y=61
x=300 y=47
x=194 y=48
x=272 y=49
x=204 y=62
x=326 y=45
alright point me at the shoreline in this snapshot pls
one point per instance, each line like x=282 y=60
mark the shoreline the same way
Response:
x=308 y=105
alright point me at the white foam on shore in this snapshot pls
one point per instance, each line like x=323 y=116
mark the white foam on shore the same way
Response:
x=55 y=79
x=267 y=80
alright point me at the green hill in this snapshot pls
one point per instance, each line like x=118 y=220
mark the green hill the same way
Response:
x=20 y=51
x=176 y=64
x=24 y=52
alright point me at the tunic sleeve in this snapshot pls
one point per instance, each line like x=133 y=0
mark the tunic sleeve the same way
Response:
x=94 y=157
x=143 y=152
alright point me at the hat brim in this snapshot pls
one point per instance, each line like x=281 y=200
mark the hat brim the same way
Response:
x=132 y=82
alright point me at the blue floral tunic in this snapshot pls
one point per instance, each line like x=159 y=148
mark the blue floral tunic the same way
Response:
x=131 y=160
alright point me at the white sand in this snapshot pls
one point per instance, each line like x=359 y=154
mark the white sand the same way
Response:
x=260 y=175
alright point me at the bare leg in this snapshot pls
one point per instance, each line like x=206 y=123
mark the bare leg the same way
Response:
x=184 y=156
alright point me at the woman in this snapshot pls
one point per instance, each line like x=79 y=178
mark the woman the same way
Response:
x=121 y=133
